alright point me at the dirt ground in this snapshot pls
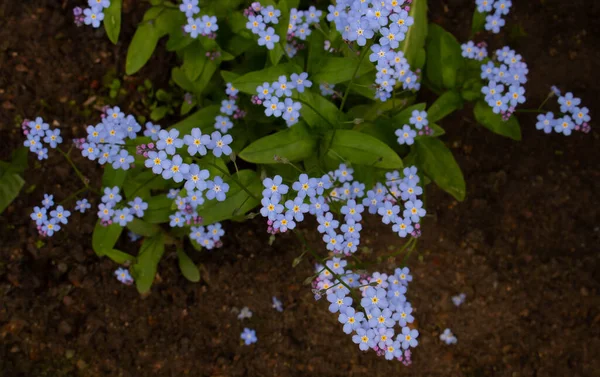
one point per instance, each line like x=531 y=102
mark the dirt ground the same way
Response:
x=522 y=246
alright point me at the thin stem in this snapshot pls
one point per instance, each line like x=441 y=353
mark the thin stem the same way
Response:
x=413 y=246
x=73 y=195
x=315 y=110
x=362 y=57
x=545 y=101
x=81 y=177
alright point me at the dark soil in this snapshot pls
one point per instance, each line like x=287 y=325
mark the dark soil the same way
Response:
x=522 y=246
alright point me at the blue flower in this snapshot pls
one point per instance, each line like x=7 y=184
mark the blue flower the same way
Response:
x=568 y=102
x=220 y=144
x=282 y=87
x=133 y=236
x=318 y=206
x=209 y=24
x=305 y=186
x=388 y=212
x=364 y=338
x=189 y=7
x=277 y=305
x=402 y=226
x=42 y=154
x=33 y=143
x=123 y=160
x=459 y=299
x=152 y=131
x=391 y=36
x=381 y=318
x=255 y=24
x=516 y=94
x=60 y=214
x=169 y=141
x=408 y=338
x=270 y=14
x=38 y=127
x=99 y=3
x=264 y=91
x=493 y=23
x=301 y=81
x=274 y=187
x=283 y=222
x=339 y=301
x=414 y=210
x=327 y=223
x=175 y=169
x=406 y=135
x=177 y=220
x=123 y=276
x=403 y=20
x=372 y=201
x=193 y=27
x=39 y=215
x=447 y=337
x=93 y=16
x=231 y=91
x=111 y=195
x=196 y=178
x=564 y=125
x=195 y=198
x=291 y=110
x=546 y=122
x=271 y=207
x=196 y=142
x=344 y=174
x=324 y=183
x=248 y=336
x=498 y=103
x=335 y=242
x=410 y=190
x=296 y=208
x=484 y=5
x=217 y=189
x=222 y=123
x=374 y=298
x=49 y=227
x=82 y=205
x=351 y=229
x=327 y=89
x=155 y=161
x=138 y=206
x=403 y=275
x=53 y=137
x=581 y=115
x=105 y=211
x=502 y=6
x=360 y=32
x=173 y=193
x=384 y=337
x=123 y=216
x=268 y=38
x=419 y=119
x=228 y=107
x=215 y=231
x=352 y=210
x=313 y=15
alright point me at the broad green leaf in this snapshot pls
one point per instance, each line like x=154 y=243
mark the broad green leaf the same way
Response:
x=181 y=79
x=142 y=46
x=203 y=119
x=276 y=53
x=113 y=177
x=144 y=270
x=486 y=117
x=194 y=61
x=170 y=21
x=112 y=20
x=10 y=185
x=334 y=70
x=142 y=228
x=478 y=22
x=444 y=58
x=187 y=267
x=416 y=35
x=404 y=116
x=202 y=82
x=294 y=144
x=447 y=103
x=158 y=113
x=359 y=148
x=238 y=201
x=229 y=76
x=159 y=209
x=105 y=237
x=471 y=90
x=250 y=81
x=316 y=52
x=119 y=256
x=437 y=162
x=317 y=111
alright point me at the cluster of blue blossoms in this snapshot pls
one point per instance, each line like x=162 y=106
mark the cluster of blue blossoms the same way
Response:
x=108 y=211
x=318 y=195
x=38 y=132
x=94 y=15
x=48 y=225
x=299 y=28
x=470 y=50
x=504 y=90
x=494 y=21
x=388 y=21
x=383 y=306
x=406 y=134
x=574 y=117
x=259 y=18
x=276 y=97
x=204 y=25
x=228 y=108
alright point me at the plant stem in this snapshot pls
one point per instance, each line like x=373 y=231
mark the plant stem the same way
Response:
x=362 y=57
x=315 y=110
x=545 y=101
x=81 y=177
x=73 y=195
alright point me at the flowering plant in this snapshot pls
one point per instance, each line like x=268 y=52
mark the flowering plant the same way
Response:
x=297 y=111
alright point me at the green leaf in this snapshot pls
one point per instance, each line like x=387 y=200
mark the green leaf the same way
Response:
x=238 y=201
x=113 y=177
x=404 y=116
x=158 y=113
x=105 y=237
x=228 y=76
x=444 y=58
x=144 y=270
x=317 y=111
x=295 y=144
x=159 y=209
x=142 y=46
x=416 y=35
x=10 y=186
x=119 y=257
x=143 y=228
x=112 y=20
x=337 y=70
x=437 y=162
x=478 y=22
x=181 y=79
x=360 y=148
x=250 y=81
x=203 y=119
x=486 y=117
x=187 y=267
x=170 y=21
x=444 y=105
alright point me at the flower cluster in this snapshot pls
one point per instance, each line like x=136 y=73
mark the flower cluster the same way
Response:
x=228 y=108
x=447 y=337
x=38 y=132
x=406 y=135
x=472 y=51
x=209 y=237
x=276 y=97
x=106 y=141
x=388 y=22
x=504 y=89
x=500 y=8
x=108 y=212
x=318 y=195
x=299 y=28
x=383 y=305
x=259 y=18
x=573 y=116
x=94 y=15
x=204 y=25
x=47 y=226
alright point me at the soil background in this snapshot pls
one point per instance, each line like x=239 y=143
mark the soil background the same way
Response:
x=522 y=246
